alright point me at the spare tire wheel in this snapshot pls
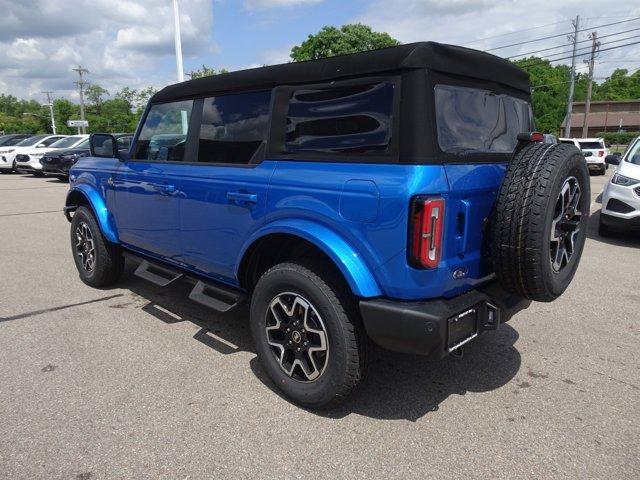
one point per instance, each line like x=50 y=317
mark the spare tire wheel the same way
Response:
x=539 y=222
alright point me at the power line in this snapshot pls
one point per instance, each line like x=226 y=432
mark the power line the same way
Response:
x=561 y=46
x=562 y=34
x=513 y=33
x=542 y=60
x=589 y=48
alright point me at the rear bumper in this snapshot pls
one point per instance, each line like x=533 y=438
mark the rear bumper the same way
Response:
x=427 y=328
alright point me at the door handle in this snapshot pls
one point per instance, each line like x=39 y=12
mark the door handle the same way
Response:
x=242 y=197
x=165 y=189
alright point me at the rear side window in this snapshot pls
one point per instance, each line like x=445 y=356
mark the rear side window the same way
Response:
x=164 y=134
x=591 y=145
x=348 y=119
x=233 y=127
x=474 y=120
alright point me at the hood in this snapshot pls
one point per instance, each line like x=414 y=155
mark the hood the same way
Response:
x=629 y=169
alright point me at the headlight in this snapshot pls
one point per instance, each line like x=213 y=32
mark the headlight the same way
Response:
x=624 y=181
x=7 y=151
x=36 y=155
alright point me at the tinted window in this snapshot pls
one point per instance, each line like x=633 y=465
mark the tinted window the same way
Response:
x=590 y=145
x=50 y=141
x=352 y=119
x=233 y=127
x=570 y=142
x=164 y=133
x=470 y=119
x=66 y=142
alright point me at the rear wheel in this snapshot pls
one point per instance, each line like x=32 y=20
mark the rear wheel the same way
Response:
x=99 y=262
x=540 y=220
x=307 y=334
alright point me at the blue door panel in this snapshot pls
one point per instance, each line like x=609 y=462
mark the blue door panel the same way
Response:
x=146 y=210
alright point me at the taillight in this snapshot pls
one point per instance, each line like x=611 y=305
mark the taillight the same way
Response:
x=426 y=226
x=601 y=153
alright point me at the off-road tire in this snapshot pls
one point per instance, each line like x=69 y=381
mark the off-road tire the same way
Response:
x=108 y=260
x=521 y=224
x=349 y=347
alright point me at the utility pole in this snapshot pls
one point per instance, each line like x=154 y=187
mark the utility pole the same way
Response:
x=572 y=84
x=50 y=104
x=81 y=84
x=587 y=106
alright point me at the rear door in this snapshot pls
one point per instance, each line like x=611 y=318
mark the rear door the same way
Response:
x=224 y=193
x=147 y=186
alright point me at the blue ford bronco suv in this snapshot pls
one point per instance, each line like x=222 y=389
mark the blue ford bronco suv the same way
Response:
x=397 y=197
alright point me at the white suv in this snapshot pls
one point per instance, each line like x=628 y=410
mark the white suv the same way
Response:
x=621 y=195
x=594 y=151
x=28 y=160
x=8 y=154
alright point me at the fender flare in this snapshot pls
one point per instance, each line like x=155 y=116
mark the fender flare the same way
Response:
x=100 y=210
x=349 y=262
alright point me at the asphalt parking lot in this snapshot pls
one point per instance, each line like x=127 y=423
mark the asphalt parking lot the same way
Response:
x=138 y=382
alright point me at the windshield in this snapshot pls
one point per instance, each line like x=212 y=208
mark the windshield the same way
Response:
x=29 y=142
x=84 y=144
x=634 y=154
x=471 y=119
x=591 y=145
x=12 y=141
x=66 y=142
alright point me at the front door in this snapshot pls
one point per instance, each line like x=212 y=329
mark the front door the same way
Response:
x=147 y=188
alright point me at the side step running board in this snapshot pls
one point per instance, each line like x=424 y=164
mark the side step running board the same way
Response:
x=156 y=274
x=217 y=298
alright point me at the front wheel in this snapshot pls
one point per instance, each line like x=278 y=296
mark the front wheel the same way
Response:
x=99 y=262
x=304 y=324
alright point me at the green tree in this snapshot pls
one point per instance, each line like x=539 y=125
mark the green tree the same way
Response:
x=331 y=41
x=94 y=94
x=205 y=72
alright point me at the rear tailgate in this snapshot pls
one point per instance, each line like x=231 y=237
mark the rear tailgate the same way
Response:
x=473 y=191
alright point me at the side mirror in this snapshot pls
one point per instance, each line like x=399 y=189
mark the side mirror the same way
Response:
x=103 y=145
x=40 y=145
x=612 y=159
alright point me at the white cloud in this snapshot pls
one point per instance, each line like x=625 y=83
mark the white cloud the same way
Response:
x=265 y=4
x=121 y=42
x=463 y=22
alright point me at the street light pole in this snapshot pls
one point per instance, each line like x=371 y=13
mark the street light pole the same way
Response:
x=178 y=41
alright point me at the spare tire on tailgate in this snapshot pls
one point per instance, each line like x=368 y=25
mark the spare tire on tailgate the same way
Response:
x=539 y=222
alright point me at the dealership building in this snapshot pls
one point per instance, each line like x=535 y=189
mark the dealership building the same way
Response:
x=605 y=116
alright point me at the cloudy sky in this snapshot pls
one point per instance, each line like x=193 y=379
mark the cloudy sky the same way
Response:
x=130 y=42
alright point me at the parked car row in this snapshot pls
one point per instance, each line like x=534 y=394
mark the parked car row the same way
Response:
x=594 y=151
x=47 y=154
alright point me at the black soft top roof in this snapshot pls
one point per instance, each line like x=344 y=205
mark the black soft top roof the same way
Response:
x=434 y=56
